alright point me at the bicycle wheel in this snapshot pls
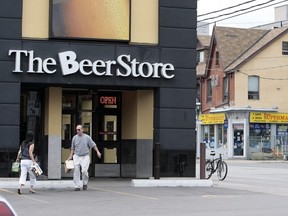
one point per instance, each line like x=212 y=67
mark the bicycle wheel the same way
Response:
x=208 y=169
x=222 y=170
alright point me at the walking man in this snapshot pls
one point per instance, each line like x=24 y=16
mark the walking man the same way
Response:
x=80 y=149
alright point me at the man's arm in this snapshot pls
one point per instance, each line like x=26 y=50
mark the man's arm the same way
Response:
x=97 y=151
x=71 y=154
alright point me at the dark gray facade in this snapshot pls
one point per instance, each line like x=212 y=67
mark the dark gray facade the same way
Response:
x=174 y=99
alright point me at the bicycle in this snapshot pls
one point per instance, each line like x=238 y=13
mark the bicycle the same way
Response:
x=214 y=165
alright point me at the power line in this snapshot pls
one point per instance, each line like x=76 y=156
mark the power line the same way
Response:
x=266 y=57
x=241 y=14
x=225 y=8
x=266 y=68
x=266 y=78
x=244 y=9
x=258 y=69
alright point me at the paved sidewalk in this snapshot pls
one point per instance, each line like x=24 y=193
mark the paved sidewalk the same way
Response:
x=251 y=188
x=162 y=182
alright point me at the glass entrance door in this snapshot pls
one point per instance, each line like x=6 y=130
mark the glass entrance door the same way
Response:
x=100 y=115
x=108 y=134
x=77 y=108
x=238 y=142
x=109 y=110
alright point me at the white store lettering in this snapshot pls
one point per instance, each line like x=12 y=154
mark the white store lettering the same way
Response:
x=125 y=66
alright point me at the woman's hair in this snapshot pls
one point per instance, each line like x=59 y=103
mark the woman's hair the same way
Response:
x=29 y=137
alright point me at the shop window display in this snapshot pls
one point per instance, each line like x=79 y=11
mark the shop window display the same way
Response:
x=260 y=143
x=215 y=136
x=260 y=136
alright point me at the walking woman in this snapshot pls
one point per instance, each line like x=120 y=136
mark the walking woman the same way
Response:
x=27 y=160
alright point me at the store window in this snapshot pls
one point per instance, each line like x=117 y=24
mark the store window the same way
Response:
x=282 y=139
x=260 y=136
x=214 y=136
x=69 y=101
x=211 y=141
x=219 y=130
x=77 y=108
x=225 y=137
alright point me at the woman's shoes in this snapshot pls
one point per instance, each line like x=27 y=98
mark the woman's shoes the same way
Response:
x=32 y=191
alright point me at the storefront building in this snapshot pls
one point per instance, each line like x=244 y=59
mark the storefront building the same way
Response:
x=128 y=78
x=245 y=133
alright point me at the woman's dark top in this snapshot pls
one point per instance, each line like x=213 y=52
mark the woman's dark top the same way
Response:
x=25 y=151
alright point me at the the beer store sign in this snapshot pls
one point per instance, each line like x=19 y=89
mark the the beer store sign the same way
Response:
x=125 y=66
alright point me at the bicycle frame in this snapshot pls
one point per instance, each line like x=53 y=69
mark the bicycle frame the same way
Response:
x=218 y=165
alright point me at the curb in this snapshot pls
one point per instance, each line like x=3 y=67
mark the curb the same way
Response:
x=13 y=183
x=163 y=182
x=171 y=183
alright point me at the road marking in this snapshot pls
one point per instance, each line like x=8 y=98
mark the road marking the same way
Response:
x=126 y=194
x=25 y=196
x=221 y=196
x=253 y=188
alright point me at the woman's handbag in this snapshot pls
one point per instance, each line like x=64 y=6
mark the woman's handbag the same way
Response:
x=15 y=167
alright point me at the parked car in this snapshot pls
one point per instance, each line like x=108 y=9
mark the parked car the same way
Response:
x=5 y=208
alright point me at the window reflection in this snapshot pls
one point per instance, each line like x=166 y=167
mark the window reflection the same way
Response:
x=109 y=128
x=69 y=101
x=66 y=127
x=85 y=102
x=85 y=119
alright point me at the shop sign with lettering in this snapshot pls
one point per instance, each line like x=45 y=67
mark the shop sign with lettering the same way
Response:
x=262 y=117
x=108 y=100
x=125 y=66
x=217 y=118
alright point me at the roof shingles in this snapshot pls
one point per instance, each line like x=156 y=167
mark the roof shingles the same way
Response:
x=233 y=42
x=260 y=44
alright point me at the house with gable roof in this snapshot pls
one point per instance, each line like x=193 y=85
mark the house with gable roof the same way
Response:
x=244 y=113
x=202 y=49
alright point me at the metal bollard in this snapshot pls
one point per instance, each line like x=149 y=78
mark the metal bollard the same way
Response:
x=202 y=160
x=157 y=160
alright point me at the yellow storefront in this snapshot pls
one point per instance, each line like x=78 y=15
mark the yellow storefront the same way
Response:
x=246 y=134
x=268 y=135
x=213 y=131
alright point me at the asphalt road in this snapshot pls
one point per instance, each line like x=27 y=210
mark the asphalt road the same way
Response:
x=251 y=188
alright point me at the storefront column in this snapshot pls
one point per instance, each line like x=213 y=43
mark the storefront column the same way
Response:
x=53 y=110
x=144 y=151
x=137 y=133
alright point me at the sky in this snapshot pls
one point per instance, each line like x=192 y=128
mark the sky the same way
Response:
x=255 y=18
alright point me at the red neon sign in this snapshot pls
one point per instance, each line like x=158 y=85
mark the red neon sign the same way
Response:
x=108 y=100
